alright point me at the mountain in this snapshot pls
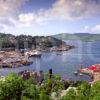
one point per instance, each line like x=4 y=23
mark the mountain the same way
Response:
x=78 y=36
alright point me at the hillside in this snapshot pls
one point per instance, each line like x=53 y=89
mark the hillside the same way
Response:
x=78 y=36
x=23 y=41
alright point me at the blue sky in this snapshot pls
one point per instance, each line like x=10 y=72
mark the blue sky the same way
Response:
x=47 y=17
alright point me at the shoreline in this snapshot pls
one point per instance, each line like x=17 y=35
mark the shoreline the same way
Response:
x=14 y=59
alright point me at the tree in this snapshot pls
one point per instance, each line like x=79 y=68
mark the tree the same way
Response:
x=11 y=88
x=44 y=95
x=70 y=95
x=31 y=92
x=83 y=90
x=95 y=91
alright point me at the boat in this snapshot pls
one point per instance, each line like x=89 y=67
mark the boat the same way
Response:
x=81 y=74
x=76 y=73
x=33 y=53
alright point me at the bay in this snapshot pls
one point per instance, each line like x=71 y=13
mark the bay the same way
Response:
x=65 y=63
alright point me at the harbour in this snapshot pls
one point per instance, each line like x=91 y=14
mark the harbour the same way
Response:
x=63 y=63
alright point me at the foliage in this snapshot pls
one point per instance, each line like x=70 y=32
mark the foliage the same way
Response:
x=11 y=88
x=32 y=92
x=15 y=88
x=24 y=41
x=84 y=92
x=95 y=91
x=70 y=95
x=44 y=95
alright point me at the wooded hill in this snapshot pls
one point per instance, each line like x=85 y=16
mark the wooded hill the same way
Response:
x=27 y=41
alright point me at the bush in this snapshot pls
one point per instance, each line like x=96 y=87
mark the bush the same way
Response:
x=15 y=88
x=11 y=88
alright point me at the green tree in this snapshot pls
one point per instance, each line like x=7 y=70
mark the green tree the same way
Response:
x=70 y=95
x=44 y=95
x=95 y=91
x=31 y=92
x=83 y=89
x=11 y=88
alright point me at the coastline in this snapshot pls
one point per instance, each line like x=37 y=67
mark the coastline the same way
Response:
x=13 y=59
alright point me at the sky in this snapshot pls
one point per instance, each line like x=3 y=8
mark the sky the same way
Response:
x=48 y=17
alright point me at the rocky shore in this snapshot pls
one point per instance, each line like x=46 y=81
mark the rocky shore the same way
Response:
x=62 y=48
x=13 y=59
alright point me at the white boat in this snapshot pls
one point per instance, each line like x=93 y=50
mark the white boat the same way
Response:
x=81 y=74
x=33 y=53
x=76 y=73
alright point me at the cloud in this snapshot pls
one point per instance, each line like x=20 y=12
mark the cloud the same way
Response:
x=92 y=29
x=8 y=7
x=34 y=18
x=63 y=10
x=26 y=18
x=9 y=10
x=75 y=9
x=96 y=29
x=60 y=10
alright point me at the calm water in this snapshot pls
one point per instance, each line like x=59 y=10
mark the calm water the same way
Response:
x=65 y=63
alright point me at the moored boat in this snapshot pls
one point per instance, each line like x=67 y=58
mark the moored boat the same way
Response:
x=33 y=53
x=76 y=73
x=81 y=74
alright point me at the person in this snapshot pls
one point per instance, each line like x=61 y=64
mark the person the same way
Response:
x=32 y=73
x=27 y=74
x=35 y=78
x=40 y=77
x=50 y=73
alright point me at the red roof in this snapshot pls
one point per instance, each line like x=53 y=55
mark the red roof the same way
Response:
x=94 y=68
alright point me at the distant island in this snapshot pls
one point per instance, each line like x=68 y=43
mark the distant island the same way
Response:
x=78 y=36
